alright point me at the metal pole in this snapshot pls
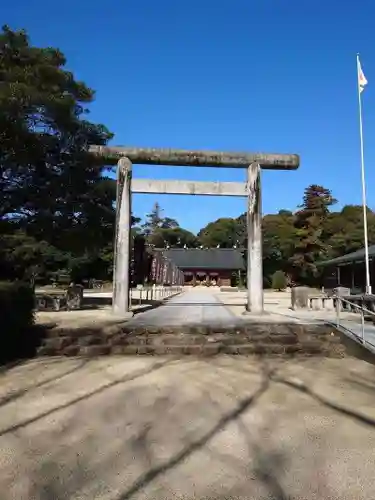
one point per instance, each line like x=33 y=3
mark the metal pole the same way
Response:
x=338 y=307
x=361 y=83
x=363 y=324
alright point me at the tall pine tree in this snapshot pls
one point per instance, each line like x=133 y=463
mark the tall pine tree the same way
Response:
x=49 y=183
x=309 y=222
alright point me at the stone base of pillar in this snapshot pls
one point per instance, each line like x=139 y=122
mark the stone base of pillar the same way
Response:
x=261 y=313
x=120 y=317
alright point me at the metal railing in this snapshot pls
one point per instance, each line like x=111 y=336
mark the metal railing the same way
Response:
x=340 y=304
x=154 y=292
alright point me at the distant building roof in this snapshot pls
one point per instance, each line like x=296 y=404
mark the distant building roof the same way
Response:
x=210 y=258
x=358 y=256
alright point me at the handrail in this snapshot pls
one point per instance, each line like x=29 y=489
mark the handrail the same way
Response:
x=364 y=309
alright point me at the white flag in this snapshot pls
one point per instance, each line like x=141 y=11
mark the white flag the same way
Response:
x=362 y=82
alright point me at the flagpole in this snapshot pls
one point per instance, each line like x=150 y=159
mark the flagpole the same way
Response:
x=364 y=204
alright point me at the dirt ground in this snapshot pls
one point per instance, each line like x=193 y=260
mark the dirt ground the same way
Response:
x=277 y=306
x=152 y=428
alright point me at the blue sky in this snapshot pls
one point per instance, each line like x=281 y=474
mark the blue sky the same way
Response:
x=261 y=75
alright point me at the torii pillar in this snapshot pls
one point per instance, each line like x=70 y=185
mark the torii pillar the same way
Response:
x=122 y=247
x=254 y=302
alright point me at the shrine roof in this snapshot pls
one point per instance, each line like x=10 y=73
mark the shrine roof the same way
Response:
x=210 y=258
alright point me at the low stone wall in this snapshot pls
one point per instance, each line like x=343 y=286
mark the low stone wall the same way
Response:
x=56 y=300
x=260 y=339
x=322 y=302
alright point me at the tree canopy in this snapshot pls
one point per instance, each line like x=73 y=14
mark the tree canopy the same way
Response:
x=49 y=182
x=52 y=189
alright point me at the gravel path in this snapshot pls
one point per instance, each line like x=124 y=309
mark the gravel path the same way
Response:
x=224 y=428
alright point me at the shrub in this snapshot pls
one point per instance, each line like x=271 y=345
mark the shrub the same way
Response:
x=17 y=340
x=279 y=281
x=266 y=282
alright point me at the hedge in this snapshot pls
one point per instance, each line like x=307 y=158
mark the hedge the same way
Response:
x=17 y=336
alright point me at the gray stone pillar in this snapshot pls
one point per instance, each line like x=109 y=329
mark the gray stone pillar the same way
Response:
x=254 y=241
x=120 y=301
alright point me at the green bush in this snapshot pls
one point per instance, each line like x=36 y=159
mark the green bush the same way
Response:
x=266 y=282
x=279 y=281
x=17 y=339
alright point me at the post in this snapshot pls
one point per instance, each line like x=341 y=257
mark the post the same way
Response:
x=254 y=241
x=362 y=82
x=338 y=309
x=120 y=301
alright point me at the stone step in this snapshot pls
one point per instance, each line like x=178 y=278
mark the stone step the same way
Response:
x=198 y=350
x=258 y=339
x=184 y=339
x=253 y=329
x=307 y=347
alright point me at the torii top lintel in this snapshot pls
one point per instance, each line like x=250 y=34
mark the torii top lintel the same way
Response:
x=181 y=157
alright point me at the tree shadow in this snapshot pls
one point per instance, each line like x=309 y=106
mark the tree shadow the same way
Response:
x=303 y=388
x=267 y=468
x=195 y=445
x=268 y=464
x=138 y=417
x=128 y=378
x=21 y=392
x=361 y=382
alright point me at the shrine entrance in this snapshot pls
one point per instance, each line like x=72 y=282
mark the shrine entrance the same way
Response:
x=253 y=162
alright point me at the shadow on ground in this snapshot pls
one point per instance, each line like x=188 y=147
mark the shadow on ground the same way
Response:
x=183 y=428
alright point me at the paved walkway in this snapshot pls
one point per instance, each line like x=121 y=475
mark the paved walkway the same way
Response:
x=190 y=307
x=354 y=327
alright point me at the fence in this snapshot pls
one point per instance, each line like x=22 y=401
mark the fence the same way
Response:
x=164 y=272
x=363 y=332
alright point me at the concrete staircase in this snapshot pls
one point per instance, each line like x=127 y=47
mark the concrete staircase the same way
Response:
x=266 y=339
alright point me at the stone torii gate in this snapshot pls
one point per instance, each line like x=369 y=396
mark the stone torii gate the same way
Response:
x=253 y=162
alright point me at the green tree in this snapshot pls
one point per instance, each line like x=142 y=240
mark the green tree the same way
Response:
x=51 y=186
x=22 y=257
x=344 y=230
x=168 y=223
x=163 y=231
x=309 y=222
x=155 y=221
x=135 y=226
x=176 y=237
x=224 y=233
x=279 y=238
x=279 y=281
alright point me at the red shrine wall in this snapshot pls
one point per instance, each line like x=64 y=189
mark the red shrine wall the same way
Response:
x=214 y=277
